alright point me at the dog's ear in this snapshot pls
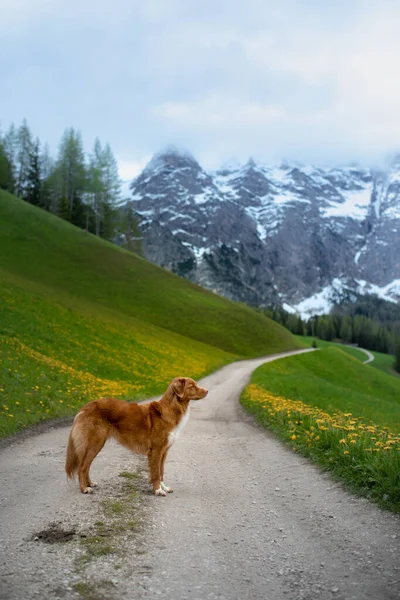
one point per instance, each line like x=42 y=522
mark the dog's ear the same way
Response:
x=178 y=385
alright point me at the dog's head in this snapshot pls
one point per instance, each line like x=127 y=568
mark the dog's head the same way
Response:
x=186 y=389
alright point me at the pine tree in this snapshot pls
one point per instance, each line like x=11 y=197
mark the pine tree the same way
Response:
x=69 y=176
x=95 y=183
x=299 y=326
x=47 y=194
x=112 y=191
x=9 y=144
x=6 y=173
x=397 y=358
x=24 y=149
x=326 y=328
x=345 y=332
x=104 y=188
x=322 y=328
x=310 y=328
x=33 y=185
x=291 y=323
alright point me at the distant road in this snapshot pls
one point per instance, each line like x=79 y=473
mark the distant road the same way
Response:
x=370 y=358
x=249 y=518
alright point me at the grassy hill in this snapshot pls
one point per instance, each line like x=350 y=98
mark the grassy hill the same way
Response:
x=342 y=414
x=80 y=317
x=383 y=362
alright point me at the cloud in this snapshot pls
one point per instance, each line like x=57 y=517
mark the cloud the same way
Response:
x=128 y=169
x=296 y=78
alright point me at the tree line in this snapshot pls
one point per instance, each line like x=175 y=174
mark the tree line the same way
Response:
x=84 y=189
x=350 y=323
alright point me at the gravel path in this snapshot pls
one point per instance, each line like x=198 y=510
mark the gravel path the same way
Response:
x=248 y=519
x=370 y=358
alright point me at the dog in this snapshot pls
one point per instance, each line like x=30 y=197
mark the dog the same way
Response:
x=149 y=429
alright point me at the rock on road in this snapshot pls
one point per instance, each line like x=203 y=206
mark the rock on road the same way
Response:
x=248 y=519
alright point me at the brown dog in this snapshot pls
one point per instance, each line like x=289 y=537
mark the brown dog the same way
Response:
x=144 y=428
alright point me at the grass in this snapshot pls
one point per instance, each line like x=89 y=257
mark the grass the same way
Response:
x=43 y=249
x=343 y=415
x=352 y=350
x=81 y=318
x=119 y=515
x=383 y=362
x=54 y=358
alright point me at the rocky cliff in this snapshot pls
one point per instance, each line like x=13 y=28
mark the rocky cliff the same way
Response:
x=286 y=234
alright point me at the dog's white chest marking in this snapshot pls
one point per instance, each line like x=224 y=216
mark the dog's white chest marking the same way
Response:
x=173 y=436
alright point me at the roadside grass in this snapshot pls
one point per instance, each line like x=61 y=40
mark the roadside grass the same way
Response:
x=119 y=519
x=341 y=414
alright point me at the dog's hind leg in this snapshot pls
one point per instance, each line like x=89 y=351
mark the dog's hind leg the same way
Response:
x=92 y=451
x=154 y=458
x=167 y=489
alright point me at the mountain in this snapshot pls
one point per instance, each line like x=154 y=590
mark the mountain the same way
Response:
x=273 y=234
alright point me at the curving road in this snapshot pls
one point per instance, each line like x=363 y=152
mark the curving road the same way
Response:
x=370 y=358
x=248 y=519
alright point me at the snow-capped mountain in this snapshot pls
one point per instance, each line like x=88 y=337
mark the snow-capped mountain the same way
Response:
x=267 y=234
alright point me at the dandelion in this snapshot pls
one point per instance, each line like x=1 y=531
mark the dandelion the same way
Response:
x=346 y=452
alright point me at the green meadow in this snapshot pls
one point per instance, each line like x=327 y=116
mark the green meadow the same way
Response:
x=383 y=362
x=81 y=318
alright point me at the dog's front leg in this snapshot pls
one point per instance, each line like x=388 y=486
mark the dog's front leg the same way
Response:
x=154 y=458
x=167 y=489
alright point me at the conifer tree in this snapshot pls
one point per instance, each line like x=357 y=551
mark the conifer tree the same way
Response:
x=104 y=188
x=397 y=358
x=345 y=332
x=69 y=176
x=9 y=143
x=33 y=185
x=24 y=149
x=299 y=326
x=6 y=171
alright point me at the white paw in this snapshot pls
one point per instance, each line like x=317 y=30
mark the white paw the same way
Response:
x=167 y=489
x=88 y=490
x=160 y=492
x=93 y=484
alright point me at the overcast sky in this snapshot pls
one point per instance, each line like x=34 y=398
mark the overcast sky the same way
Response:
x=312 y=80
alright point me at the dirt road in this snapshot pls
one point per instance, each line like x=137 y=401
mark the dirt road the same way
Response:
x=370 y=358
x=248 y=519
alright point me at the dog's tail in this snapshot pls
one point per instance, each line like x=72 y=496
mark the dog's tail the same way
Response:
x=72 y=461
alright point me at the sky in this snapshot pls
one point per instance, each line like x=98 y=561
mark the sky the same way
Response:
x=306 y=80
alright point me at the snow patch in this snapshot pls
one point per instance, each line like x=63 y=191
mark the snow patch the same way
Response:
x=322 y=302
x=355 y=205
